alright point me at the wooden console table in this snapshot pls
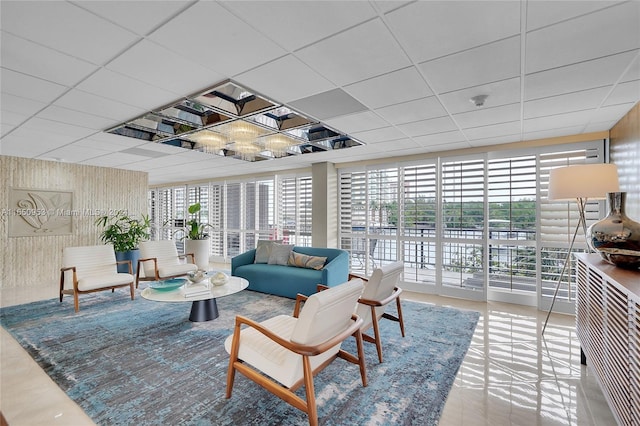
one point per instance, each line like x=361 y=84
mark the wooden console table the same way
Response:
x=608 y=326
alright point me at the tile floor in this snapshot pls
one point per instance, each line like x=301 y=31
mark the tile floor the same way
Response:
x=510 y=376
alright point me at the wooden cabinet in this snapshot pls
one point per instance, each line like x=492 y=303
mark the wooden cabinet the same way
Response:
x=608 y=326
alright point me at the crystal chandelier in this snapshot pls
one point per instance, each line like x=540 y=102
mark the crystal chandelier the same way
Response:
x=211 y=142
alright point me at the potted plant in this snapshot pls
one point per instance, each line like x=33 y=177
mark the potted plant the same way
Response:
x=124 y=233
x=197 y=238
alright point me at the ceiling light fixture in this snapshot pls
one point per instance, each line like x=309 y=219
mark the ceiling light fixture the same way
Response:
x=232 y=121
x=478 y=100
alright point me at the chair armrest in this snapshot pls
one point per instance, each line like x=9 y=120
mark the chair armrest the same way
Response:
x=68 y=268
x=186 y=255
x=122 y=262
x=300 y=298
x=390 y=298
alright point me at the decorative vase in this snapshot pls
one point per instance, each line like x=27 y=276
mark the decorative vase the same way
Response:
x=200 y=250
x=616 y=237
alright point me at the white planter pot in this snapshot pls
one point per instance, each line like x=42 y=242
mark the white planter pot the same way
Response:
x=200 y=250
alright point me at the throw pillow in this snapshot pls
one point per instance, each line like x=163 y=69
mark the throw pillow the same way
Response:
x=305 y=261
x=263 y=250
x=280 y=254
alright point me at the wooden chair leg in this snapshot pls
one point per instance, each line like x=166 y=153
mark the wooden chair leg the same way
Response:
x=76 y=302
x=400 y=320
x=360 y=347
x=61 y=285
x=233 y=357
x=376 y=333
x=312 y=410
x=132 y=291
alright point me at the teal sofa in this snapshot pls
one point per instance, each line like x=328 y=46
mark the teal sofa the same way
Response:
x=288 y=281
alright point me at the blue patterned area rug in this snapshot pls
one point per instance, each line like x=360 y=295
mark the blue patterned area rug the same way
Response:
x=142 y=362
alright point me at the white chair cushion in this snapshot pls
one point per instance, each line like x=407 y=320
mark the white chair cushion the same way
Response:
x=92 y=282
x=172 y=270
x=277 y=362
x=381 y=285
x=327 y=313
x=90 y=260
x=163 y=250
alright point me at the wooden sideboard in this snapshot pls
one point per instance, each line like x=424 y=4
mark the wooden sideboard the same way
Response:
x=608 y=326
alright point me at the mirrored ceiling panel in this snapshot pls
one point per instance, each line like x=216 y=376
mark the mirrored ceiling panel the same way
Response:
x=232 y=121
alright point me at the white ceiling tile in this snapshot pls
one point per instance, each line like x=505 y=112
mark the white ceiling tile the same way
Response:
x=19 y=105
x=573 y=78
x=32 y=141
x=139 y=17
x=113 y=160
x=29 y=58
x=504 y=129
x=393 y=88
x=552 y=133
x=109 y=139
x=602 y=126
x=489 y=63
x=29 y=87
x=613 y=112
x=56 y=128
x=559 y=120
x=488 y=116
x=420 y=109
x=431 y=29
x=329 y=104
x=583 y=38
x=82 y=101
x=576 y=101
x=9 y=118
x=428 y=127
x=440 y=138
x=447 y=147
x=541 y=13
x=157 y=66
x=285 y=79
x=161 y=147
x=495 y=140
x=624 y=92
x=235 y=47
x=306 y=22
x=379 y=135
x=367 y=120
x=633 y=72
x=120 y=88
x=66 y=28
x=74 y=154
x=346 y=57
x=499 y=93
x=69 y=116
x=100 y=145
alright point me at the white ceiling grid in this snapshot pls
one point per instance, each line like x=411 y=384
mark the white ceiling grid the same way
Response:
x=395 y=75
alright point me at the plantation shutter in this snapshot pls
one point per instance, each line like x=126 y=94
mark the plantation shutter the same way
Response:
x=234 y=215
x=305 y=207
x=216 y=219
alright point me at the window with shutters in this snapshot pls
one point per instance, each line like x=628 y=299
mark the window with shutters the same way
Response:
x=295 y=210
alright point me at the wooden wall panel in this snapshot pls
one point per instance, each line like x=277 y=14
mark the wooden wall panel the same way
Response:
x=35 y=261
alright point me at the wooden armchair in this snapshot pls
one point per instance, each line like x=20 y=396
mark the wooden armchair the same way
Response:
x=160 y=261
x=283 y=353
x=89 y=269
x=380 y=289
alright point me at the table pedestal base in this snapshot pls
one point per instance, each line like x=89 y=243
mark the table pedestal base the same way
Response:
x=203 y=310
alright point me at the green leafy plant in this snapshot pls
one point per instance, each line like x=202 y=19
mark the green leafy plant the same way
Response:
x=123 y=231
x=194 y=229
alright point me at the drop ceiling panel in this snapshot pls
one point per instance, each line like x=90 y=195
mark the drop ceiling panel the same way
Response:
x=32 y=141
x=490 y=63
x=328 y=104
x=208 y=23
x=306 y=22
x=488 y=116
x=117 y=87
x=441 y=138
x=553 y=133
x=559 y=121
x=136 y=16
x=420 y=109
x=78 y=100
x=504 y=129
x=428 y=127
x=115 y=159
x=301 y=80
x=547 y=12
x=432 y=29
x=379 y=135
x=357 y=122
x=157 y=66
x=74 y=154
x=624 y=92
x=19 y=105
x=57 y=128
x=11 y=119
x=393 y=88
x=346 y=57
x=584 y=38
x=499 y=93
x=66 y=115
x=613 y=112
x=100 y=145
x=29 y=87
x=72 y=31
x=576 y=101
x=29 y=58
x=573 y=78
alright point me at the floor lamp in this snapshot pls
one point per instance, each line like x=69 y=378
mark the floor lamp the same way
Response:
x=581 y=183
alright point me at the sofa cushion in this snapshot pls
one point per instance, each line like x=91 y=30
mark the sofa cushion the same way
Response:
x=280 y=254
x=300 y=260
x=263 y=250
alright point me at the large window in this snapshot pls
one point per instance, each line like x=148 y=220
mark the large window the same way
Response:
x=469 y=226
x=237 y=213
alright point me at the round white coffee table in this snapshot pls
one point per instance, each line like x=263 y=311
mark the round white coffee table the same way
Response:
x=204 y=306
